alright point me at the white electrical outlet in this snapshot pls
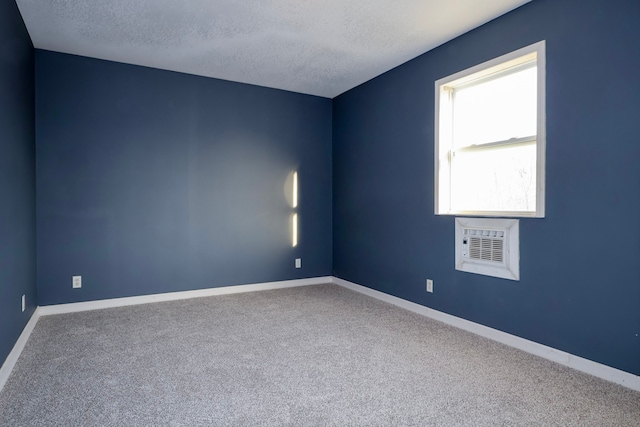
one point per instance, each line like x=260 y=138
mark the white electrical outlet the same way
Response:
x=298 y=263
x=429 y=285
x=24 y=303
x=77 y=282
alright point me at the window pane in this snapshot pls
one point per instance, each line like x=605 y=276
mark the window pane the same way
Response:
x=501 y=178
x=496 y=110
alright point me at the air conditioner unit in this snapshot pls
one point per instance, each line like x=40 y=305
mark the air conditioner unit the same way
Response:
x=488 y=246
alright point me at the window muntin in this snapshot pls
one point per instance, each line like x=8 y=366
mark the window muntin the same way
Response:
x=490 y=137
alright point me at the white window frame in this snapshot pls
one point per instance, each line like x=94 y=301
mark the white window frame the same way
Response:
x=443 y=138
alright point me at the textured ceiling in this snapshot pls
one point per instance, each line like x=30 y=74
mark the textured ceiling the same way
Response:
x=318 y=47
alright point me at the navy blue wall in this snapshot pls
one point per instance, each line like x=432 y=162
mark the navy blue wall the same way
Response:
x=17 y=177
x=151 y=181
x=580 y=271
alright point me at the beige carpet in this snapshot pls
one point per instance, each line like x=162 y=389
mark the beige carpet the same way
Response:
x=315 y=355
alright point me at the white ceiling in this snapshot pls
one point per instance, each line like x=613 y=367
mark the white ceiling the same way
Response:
x=318 y=47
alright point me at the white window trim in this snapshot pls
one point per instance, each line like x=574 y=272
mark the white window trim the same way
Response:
x=442 y=202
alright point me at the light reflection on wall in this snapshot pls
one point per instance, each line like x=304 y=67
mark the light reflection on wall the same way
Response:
x=294 y=226
x=294 y=203
x=291 y=194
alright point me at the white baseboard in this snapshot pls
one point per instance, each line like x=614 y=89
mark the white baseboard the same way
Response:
x=173 y=296
x=13 y=356
x=593 y=368
x=599 y=370
x=11 y=360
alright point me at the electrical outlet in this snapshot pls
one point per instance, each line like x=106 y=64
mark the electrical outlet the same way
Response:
x=77 y=282
x=429 y=285
x=24 y=303
x=298 y=263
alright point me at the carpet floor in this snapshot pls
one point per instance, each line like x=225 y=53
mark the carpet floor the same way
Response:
x=309 y=356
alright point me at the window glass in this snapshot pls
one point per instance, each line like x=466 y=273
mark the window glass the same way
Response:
x=497 y=110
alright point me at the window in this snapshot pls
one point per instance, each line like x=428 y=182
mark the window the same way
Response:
x=490 y=137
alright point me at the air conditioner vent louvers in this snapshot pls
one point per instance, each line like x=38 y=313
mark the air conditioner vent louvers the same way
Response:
x=497 y=250
x=485 y=245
